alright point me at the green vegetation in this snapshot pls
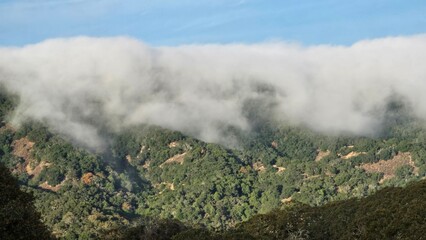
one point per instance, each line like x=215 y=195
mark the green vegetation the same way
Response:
x=18 y=217
x=152 y=173
x=390 y=213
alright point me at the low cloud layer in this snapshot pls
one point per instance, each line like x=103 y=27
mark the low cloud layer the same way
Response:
x=80 y=86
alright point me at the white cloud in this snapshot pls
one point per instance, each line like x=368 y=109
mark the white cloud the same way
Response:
x=82 y=85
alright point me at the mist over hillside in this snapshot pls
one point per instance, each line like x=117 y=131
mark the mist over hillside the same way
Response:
x=82 y=86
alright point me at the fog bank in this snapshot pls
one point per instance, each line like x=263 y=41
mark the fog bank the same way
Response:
x=79 y=86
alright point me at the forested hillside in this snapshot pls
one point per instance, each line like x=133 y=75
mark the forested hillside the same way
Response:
x=148 y=172
x=390 y=213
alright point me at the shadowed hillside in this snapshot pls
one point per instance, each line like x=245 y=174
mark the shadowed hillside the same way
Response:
x=391 y=213
x=18 y=217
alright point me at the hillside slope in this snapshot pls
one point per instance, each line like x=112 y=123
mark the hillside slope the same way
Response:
x=151 y=172
x=390 y=213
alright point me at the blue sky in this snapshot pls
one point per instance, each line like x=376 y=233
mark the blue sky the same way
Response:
x=176 y=22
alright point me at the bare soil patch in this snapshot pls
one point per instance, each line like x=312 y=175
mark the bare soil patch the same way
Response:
x=279 y=169
x=87 y=178
x=173 y=144
x=258 y=166
x=352 y=154
x=389 y=167
x=178 y=158
x=321 y=155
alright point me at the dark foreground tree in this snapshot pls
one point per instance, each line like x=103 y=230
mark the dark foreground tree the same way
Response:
x=18 y=217
x=148 y=229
